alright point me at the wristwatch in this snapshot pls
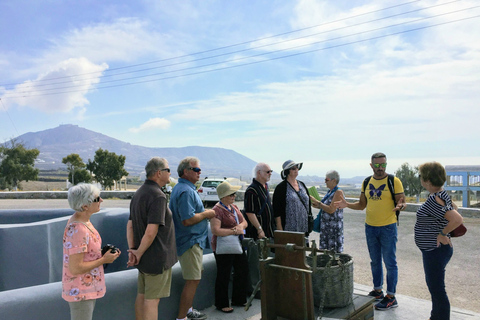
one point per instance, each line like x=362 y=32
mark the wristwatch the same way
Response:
x=443 y=234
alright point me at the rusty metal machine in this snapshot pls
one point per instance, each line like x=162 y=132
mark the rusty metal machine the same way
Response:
x=286 y=282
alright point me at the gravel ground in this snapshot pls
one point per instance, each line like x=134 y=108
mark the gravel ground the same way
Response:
x=463 y=271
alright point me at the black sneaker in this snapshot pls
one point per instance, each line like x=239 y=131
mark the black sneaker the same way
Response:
x=387 y=303
x=378 y=295
x=196 y=315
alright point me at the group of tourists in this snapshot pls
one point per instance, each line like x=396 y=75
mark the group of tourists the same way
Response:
x=159 y=234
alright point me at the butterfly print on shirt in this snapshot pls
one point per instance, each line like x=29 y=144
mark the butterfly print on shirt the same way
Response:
x=376 y=194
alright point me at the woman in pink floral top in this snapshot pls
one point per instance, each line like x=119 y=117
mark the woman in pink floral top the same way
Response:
x=83 y=279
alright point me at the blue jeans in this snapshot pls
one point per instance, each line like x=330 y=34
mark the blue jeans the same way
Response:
x=434 y=263
x=382 y=243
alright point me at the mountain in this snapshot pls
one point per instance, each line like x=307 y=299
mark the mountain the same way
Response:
x=55 y=144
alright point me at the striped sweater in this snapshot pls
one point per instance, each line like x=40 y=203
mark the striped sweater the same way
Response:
x=431 y=220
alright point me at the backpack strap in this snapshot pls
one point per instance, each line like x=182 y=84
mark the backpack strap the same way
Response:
x=365 y=184
x=391 y=186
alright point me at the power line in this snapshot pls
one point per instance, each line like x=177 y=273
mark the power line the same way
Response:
x=6 y=111
x=271 y=59
x=87 y=87
x=234 y=45
x=229 y=53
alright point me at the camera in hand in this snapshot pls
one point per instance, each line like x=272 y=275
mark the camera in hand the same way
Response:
x=108 y=247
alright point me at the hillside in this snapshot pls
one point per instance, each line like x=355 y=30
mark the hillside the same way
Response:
x=56 y=143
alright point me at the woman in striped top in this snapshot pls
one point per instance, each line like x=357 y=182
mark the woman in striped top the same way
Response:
x=436 y=218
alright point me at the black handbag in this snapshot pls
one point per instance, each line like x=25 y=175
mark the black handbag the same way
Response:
x=310 y=223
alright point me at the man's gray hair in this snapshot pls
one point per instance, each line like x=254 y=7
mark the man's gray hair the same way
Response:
x=153 y=165
x=82 y=194
x=185 y=163
x=332 y=174
x=259 y=167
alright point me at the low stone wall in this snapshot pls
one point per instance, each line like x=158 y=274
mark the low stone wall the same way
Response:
x=60 y=194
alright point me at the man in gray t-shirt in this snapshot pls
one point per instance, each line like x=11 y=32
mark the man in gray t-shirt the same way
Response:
x=151 y=239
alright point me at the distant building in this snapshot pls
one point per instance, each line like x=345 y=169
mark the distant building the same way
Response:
x=464 y=179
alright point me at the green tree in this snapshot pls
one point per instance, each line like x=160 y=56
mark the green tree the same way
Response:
x=17 y=163
x=410 y=180
x=76 y=169
x=107 y=167
x=81 y=175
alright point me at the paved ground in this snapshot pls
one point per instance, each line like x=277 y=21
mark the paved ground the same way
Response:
x=409 y=309
x=463 y=271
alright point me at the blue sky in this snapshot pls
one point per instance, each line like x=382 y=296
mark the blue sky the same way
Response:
x=323 y=82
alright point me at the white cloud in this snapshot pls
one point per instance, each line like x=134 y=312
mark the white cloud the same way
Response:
x=125 y=40
x=60 y=89
x=152 y=124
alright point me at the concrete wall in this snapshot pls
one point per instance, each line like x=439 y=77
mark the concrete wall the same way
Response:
x=31 y=257
x=15 y=216
x=44 y=302
x=61 y=194
x=32 y=253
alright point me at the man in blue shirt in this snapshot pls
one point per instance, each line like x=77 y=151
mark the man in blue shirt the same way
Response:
x=191 y=229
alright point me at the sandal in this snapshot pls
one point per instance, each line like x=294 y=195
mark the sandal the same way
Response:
x=226 y=309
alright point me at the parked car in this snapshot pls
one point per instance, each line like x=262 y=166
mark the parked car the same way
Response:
x=208 y=190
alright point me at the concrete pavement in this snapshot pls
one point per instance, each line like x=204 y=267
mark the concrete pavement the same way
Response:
x=409 y=308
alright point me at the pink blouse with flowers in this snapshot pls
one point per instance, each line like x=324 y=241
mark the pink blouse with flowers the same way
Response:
x=78 y=238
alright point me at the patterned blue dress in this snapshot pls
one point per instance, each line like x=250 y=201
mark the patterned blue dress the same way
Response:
x=331 y=227
x=296 y=217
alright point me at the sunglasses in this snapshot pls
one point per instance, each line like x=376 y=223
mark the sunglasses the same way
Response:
x=97 y=199
x=233 y=195
x=165 y=169
x=378 y=165
x=195 y=169
x=269 y=171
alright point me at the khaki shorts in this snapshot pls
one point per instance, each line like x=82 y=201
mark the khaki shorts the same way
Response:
x=155 y=286
x=192 y=263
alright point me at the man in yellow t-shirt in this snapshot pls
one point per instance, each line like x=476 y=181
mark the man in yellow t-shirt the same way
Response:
x=381 y=228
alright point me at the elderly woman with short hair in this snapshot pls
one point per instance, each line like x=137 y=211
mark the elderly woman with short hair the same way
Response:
x=331 y=218
x=436 y=218
x=83 y=278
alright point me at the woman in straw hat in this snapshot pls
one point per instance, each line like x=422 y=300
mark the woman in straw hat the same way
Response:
x=229 y=221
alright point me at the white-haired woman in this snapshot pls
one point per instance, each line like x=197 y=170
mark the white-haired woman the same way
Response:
x=83 y=279
x=331 y=218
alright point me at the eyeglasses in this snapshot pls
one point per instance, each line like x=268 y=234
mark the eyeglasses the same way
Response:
x=195 y=169
x=378 y=165
x=268 y=171
x=97 y=199
x=165 y=169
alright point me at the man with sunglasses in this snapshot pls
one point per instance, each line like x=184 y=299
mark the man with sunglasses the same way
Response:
x=191 y=229
x=151 y=240
x=381 y=227
x=259 y=215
